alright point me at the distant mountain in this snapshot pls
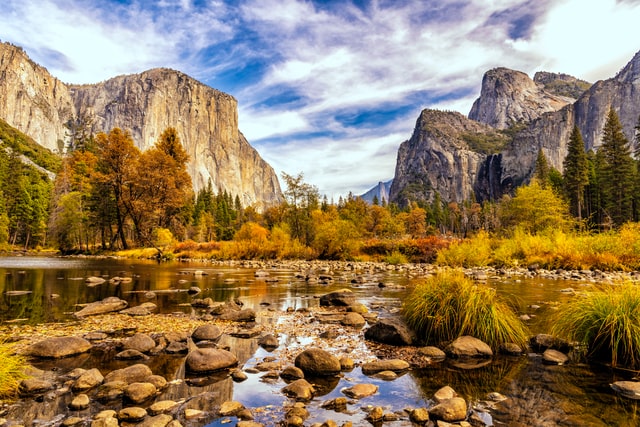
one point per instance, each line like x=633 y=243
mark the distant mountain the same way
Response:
x=381 y=191
x=145 y=104
x=494 y=150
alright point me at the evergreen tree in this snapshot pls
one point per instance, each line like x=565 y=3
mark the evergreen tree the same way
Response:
x=576 y=174
x=618 y=171
x=541 y=171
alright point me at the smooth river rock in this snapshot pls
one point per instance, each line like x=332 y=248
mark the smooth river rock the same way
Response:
x=390 y=331
x=205 y=360
x=468 y=346
x=395 y=365
x=57 y=347
x=107 y=305
x=318 y=362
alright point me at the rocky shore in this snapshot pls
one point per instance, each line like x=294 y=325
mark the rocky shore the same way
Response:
x=123 y=366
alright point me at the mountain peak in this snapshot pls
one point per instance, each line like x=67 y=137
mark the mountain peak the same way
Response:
x=631 y=72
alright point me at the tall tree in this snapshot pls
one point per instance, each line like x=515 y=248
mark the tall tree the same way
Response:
x=576 y=173
x=302 y=200
x=541 y=171
x=618 y=171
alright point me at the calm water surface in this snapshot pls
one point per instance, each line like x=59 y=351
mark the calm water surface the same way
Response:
x=40 y=290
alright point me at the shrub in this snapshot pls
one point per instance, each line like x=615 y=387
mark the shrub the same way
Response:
x=11 y=370
x=449 y=305
x=606 y=321
x=396 y=258
x=475 y=252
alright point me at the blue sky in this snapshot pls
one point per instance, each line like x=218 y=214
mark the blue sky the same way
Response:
x=328 y=88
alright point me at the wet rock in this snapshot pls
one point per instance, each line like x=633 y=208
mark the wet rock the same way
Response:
x=105 y=422
x=317 y=362
x=95 y=336
x=299 y=390
x=238 y=376
x=339 y=404
x=132 y=414
x=249 y=424
x=268 y=365
x=203 y=303
x=268 y=341
x=628 y=389
x=176 y=347
x=207 y=332
x=554 y=357
x=161 y=420
x=230 y=408
x=210 y=360
x=444 y=393
x=359 y=391
x=245 y=315
x=79 y=402
x=131 y=374
x=94 y=280
x=375 y=415
x=386 y=375
x=346 y=363
x=58 y=347
x=193 y=414
x=539 y=343
x=140 y=342
x=358 y=308
x=157 y=380
x=419 y=416
x=341 y=298
x=33 y=386
x=395 y=365
x=131 y=355
x=88 y=380
x=162 y=407
x=139 y=392
x=110 y=391
x=468 y=346
x=432 y=352
x=138 y=311
x=450 y=410
x=292 y=373
x=390 y=331
x=107 y=305
x=72 y=421
x=354 y=320
x=511 y=349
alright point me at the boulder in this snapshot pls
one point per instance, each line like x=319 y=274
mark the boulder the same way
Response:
x=57 y=347
x=554 y=357
x=206 y=332
x=32 y=386
x=107 y=305
x=292 y=373
x=210 y=360
x=468 y=346
x=139 y=392
x=628 y=389
x=162 y=407
x=157 y=380
x=244 y=315
x=130 y=374
x=140 y=342
x=445 y=393
x=432 y=352
x=511 y=349
x=390 y=331
x=162 y=420
x=539 y=343
x=354 y=320
x=88 y=380
x=79 y=402
x=451 y=410
x=359 y=391
x=110 y=391
x=230 y=408
x=341 y=298
x=419 y=416
x=395 y=365
x=318 y=362
x=130 y=355
x=299 y=390
x=268 y=341
x=132 y=414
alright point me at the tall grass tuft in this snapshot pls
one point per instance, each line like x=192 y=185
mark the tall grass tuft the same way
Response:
x=449 y=305
x=607 y=321
x=12 y=370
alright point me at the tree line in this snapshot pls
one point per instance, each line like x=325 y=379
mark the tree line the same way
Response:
x=109 y=195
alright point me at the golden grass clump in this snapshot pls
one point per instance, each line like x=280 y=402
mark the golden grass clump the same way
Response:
x=12 y=370
x=606 y=321
x=450 y=305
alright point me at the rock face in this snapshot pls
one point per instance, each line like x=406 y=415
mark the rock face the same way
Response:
x=437 y=158
x=510 y=96
x=448 y=154
x=145 y=104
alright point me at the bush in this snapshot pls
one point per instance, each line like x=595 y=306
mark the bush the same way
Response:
x=396 y=258
x=606 y=321
x=475 y=252
x=449 y=305
x=11 y=370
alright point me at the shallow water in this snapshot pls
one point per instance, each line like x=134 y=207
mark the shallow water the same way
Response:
x=38 y=290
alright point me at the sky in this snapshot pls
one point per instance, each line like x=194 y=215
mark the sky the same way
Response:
x=328 y=88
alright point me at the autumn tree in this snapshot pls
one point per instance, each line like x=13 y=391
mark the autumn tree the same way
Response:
x=576 y=173
x=617 y=171
x=301 y=200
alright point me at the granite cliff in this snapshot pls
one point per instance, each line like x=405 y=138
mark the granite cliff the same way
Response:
x=446 y=154
x=145 y=104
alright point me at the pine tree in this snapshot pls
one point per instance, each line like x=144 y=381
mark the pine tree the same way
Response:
x=541 y=171
x=576 y=176
x=618 y=171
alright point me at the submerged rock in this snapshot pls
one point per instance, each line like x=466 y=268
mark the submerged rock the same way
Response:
x=107 y=305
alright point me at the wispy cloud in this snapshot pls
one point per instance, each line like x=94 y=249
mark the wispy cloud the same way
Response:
x=328 y=88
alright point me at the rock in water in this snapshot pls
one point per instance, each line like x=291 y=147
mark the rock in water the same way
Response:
x=205 y=360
